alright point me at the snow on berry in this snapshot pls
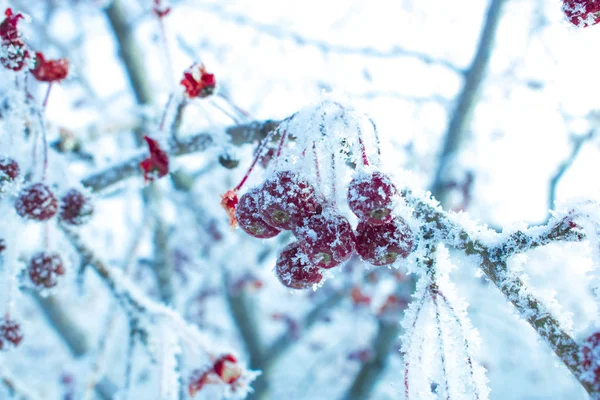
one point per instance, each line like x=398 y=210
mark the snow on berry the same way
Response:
x=287 y=199
x=76 y=208
x=50 y=70
x=197 y=82
x=157 y=165
x=293 y=269
x=15 y=55
x=9 y=172
x=384 y=244
x=248 y=216
x=44 y=268
x=11 y=334
x=582 y=13
x=327 y=239
x=36 y=202
x=371 y=197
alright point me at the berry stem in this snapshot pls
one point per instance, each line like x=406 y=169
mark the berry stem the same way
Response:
x=281 y=143
x=44 y=144
x=377 y=142
x=316 y=157
x=165 y=45
x=45 y=103
x=363 y=150
x=240 y=110
x=163 y=119
x=333 y=179
x=224 y=111
x=259 y=151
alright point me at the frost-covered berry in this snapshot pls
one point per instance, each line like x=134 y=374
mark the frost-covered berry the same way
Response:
x=327 y=239
x=227 y=369
x=44 y=268
x=249 y=218
x=10 y=333
x=371 y=197
x=14 y=55
x=294 y=270
x=287 y=199
x=9 y=171
x=383 y=244
x=75 y=208
x=36 y=202
x=582 y=13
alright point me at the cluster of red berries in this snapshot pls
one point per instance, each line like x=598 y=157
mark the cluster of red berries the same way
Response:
x=287 y=200
x=10 y=333
x=591 y=359
x=198 y=83
x=582 y=13
x=16 y=55
x=225 y=369
x=38 y=202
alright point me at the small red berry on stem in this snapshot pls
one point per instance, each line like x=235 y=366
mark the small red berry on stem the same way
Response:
x=10 y=333
x=9 y=171
x=75 y=208
x=50 y=70
x=229 y=202
x=227 y=369
x=36 y=202
x=8 y=27
x=287 y=199
x=159 y=10
x=294 y=270
x=197 y=82
x=383 y=244
x=371 y=197
x=327 y=239
x=248 y=216
x=44 y=269
x=157 y=165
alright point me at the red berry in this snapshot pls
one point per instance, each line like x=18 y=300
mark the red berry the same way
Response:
x=371 y=197
x=10 y=333
x=327 y=239
x=44 y=269
x=50 y=70
x=14 y=54
x=227 y=369
x=76 y=208
x=9 y=171
x=582 y=13
x=249 y=219
x=294 y=270
x=287 y=199
x=383 y=244
x=8 y=27
x=36 y=202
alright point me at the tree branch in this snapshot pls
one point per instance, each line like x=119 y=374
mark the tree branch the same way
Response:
x=239 y=134
x=467 y=99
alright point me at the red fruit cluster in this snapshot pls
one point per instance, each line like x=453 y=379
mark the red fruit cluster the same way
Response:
x=381 y=238
x=10 y=333
x=15 y=54
x=36 y=202
x=75 y=208
x=225 y=369
x=50 y=70
x=45 y=268
x=590 y=351
x=197 y=82
x=582 y=13
x=9 y=172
